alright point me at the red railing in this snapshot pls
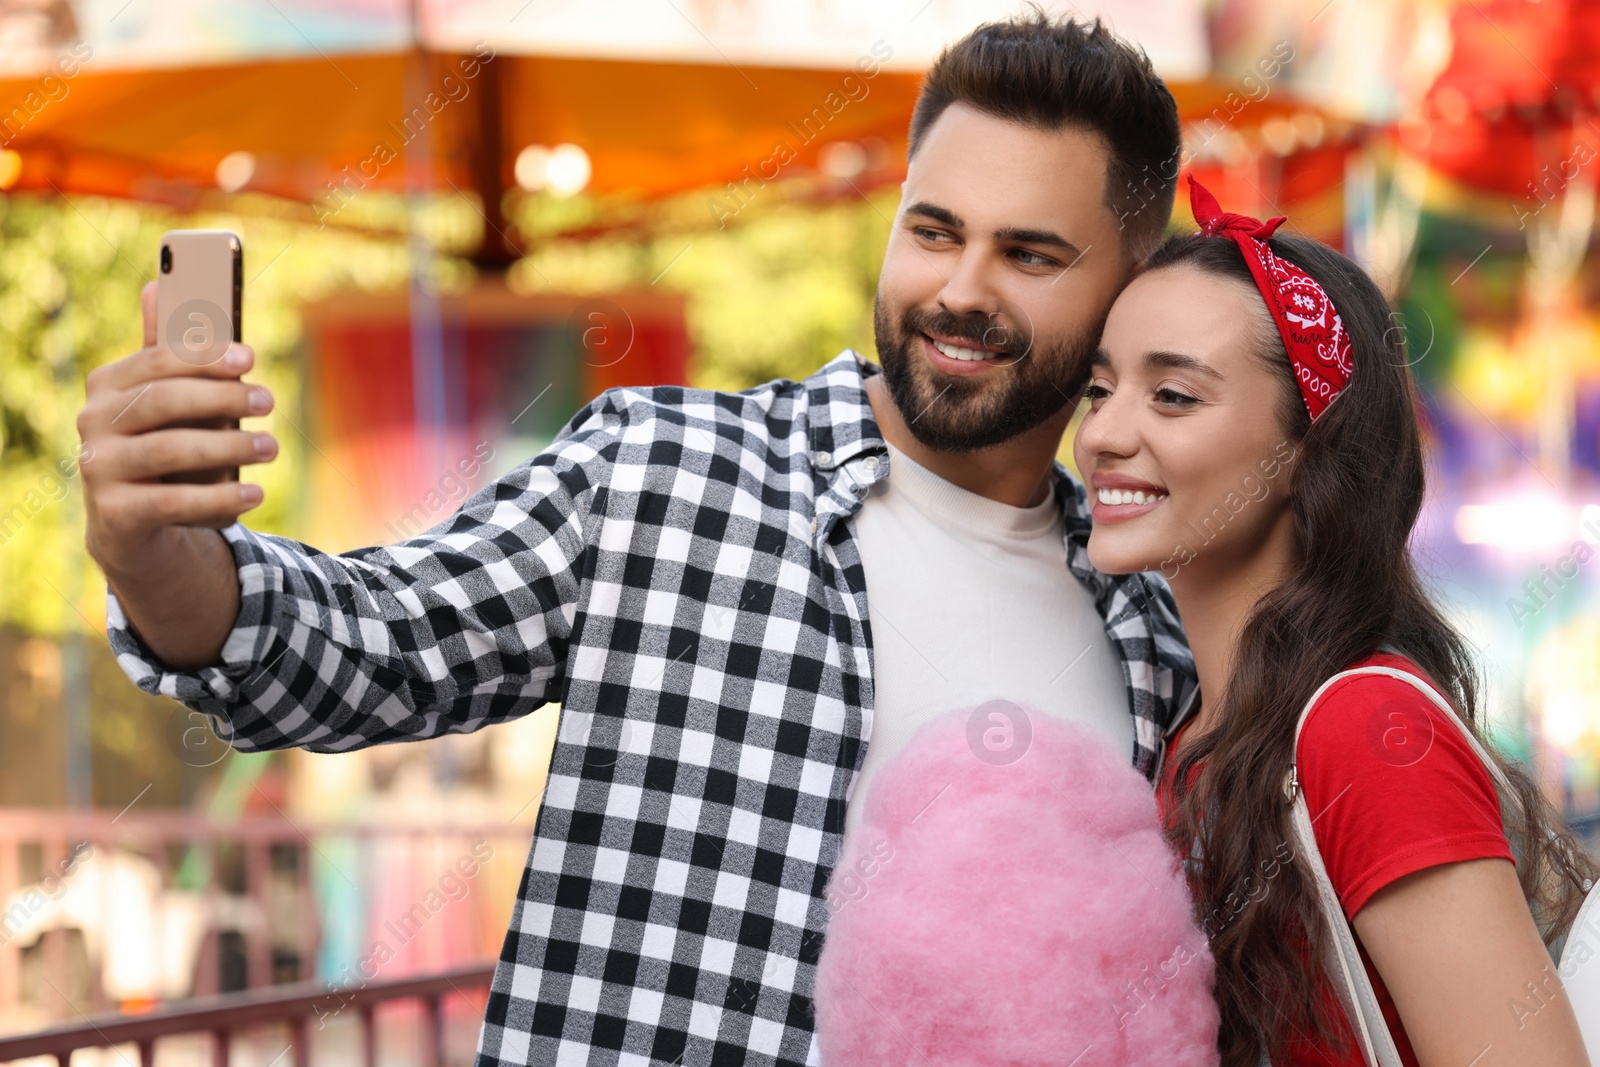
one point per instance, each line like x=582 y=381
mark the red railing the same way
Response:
x=301 y=1005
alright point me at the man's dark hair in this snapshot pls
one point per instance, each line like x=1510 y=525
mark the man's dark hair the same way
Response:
x=1048 y=74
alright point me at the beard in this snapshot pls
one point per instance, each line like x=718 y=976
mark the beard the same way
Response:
x=966 y=413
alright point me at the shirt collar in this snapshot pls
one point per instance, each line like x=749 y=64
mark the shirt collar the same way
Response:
x=842 y=427
x=840 y=416
x=1182 y=716
x=1136 y=608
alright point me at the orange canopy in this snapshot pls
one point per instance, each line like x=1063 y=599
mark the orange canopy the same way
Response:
x=323 y=128
x=649 y=128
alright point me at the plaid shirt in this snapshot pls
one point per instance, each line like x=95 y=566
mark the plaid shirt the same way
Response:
x=675 y=570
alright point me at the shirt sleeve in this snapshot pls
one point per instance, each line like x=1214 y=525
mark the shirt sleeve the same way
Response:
x=1392 y=787
x=464 y=625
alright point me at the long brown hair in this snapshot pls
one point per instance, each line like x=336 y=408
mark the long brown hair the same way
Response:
x=1355 y=494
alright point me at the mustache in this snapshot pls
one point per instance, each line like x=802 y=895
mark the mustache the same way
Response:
x=981 y=330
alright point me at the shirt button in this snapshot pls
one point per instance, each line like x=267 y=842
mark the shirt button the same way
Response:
x=813 y=525
x=824 y=458
x=871 y=463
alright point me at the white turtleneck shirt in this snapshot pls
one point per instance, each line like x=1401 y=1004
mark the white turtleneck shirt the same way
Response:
x=970 y=600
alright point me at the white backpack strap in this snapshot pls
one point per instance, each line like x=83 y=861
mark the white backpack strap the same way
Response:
x=1356 y=995
x=1582 y=984
x=1501 y=784
x=1506 y=794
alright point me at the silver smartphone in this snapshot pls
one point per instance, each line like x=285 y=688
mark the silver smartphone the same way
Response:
x=198 y=295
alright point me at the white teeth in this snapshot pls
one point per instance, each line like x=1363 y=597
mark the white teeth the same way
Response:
x=1123 y=496
x=961 y=353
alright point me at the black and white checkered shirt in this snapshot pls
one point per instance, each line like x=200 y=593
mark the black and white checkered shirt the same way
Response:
x=675 y=570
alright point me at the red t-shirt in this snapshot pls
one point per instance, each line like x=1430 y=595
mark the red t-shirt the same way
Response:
x=1392 y=788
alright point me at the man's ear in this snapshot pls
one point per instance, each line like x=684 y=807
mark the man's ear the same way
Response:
x=1139 y=265
x=1131 y=269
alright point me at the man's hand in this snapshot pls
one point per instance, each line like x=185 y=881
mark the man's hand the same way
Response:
x=156 y=540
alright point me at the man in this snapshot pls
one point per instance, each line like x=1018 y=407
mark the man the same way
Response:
x=686 y=573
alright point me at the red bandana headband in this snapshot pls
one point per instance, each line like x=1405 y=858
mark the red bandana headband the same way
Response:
x=1312 y=331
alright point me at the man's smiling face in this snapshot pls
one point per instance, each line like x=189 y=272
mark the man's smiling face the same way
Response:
x=1002 y=264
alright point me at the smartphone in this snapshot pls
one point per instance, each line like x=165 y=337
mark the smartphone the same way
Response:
x=198 y=295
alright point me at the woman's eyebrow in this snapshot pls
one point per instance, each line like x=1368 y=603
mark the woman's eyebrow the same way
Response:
x=1178 y=361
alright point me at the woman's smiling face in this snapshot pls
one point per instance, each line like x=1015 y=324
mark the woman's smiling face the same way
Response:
x=1182 y=449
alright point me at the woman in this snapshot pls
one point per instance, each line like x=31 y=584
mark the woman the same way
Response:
x=1251 y=433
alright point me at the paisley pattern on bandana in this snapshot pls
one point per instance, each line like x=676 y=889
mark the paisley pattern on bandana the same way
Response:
x=1312 y=331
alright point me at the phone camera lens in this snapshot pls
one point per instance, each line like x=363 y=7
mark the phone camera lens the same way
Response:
x=166 y=259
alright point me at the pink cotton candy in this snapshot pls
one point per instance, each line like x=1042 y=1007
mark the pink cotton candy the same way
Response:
x=994 y=909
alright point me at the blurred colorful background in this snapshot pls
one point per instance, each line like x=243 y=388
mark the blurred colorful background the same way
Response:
x=464 y=218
